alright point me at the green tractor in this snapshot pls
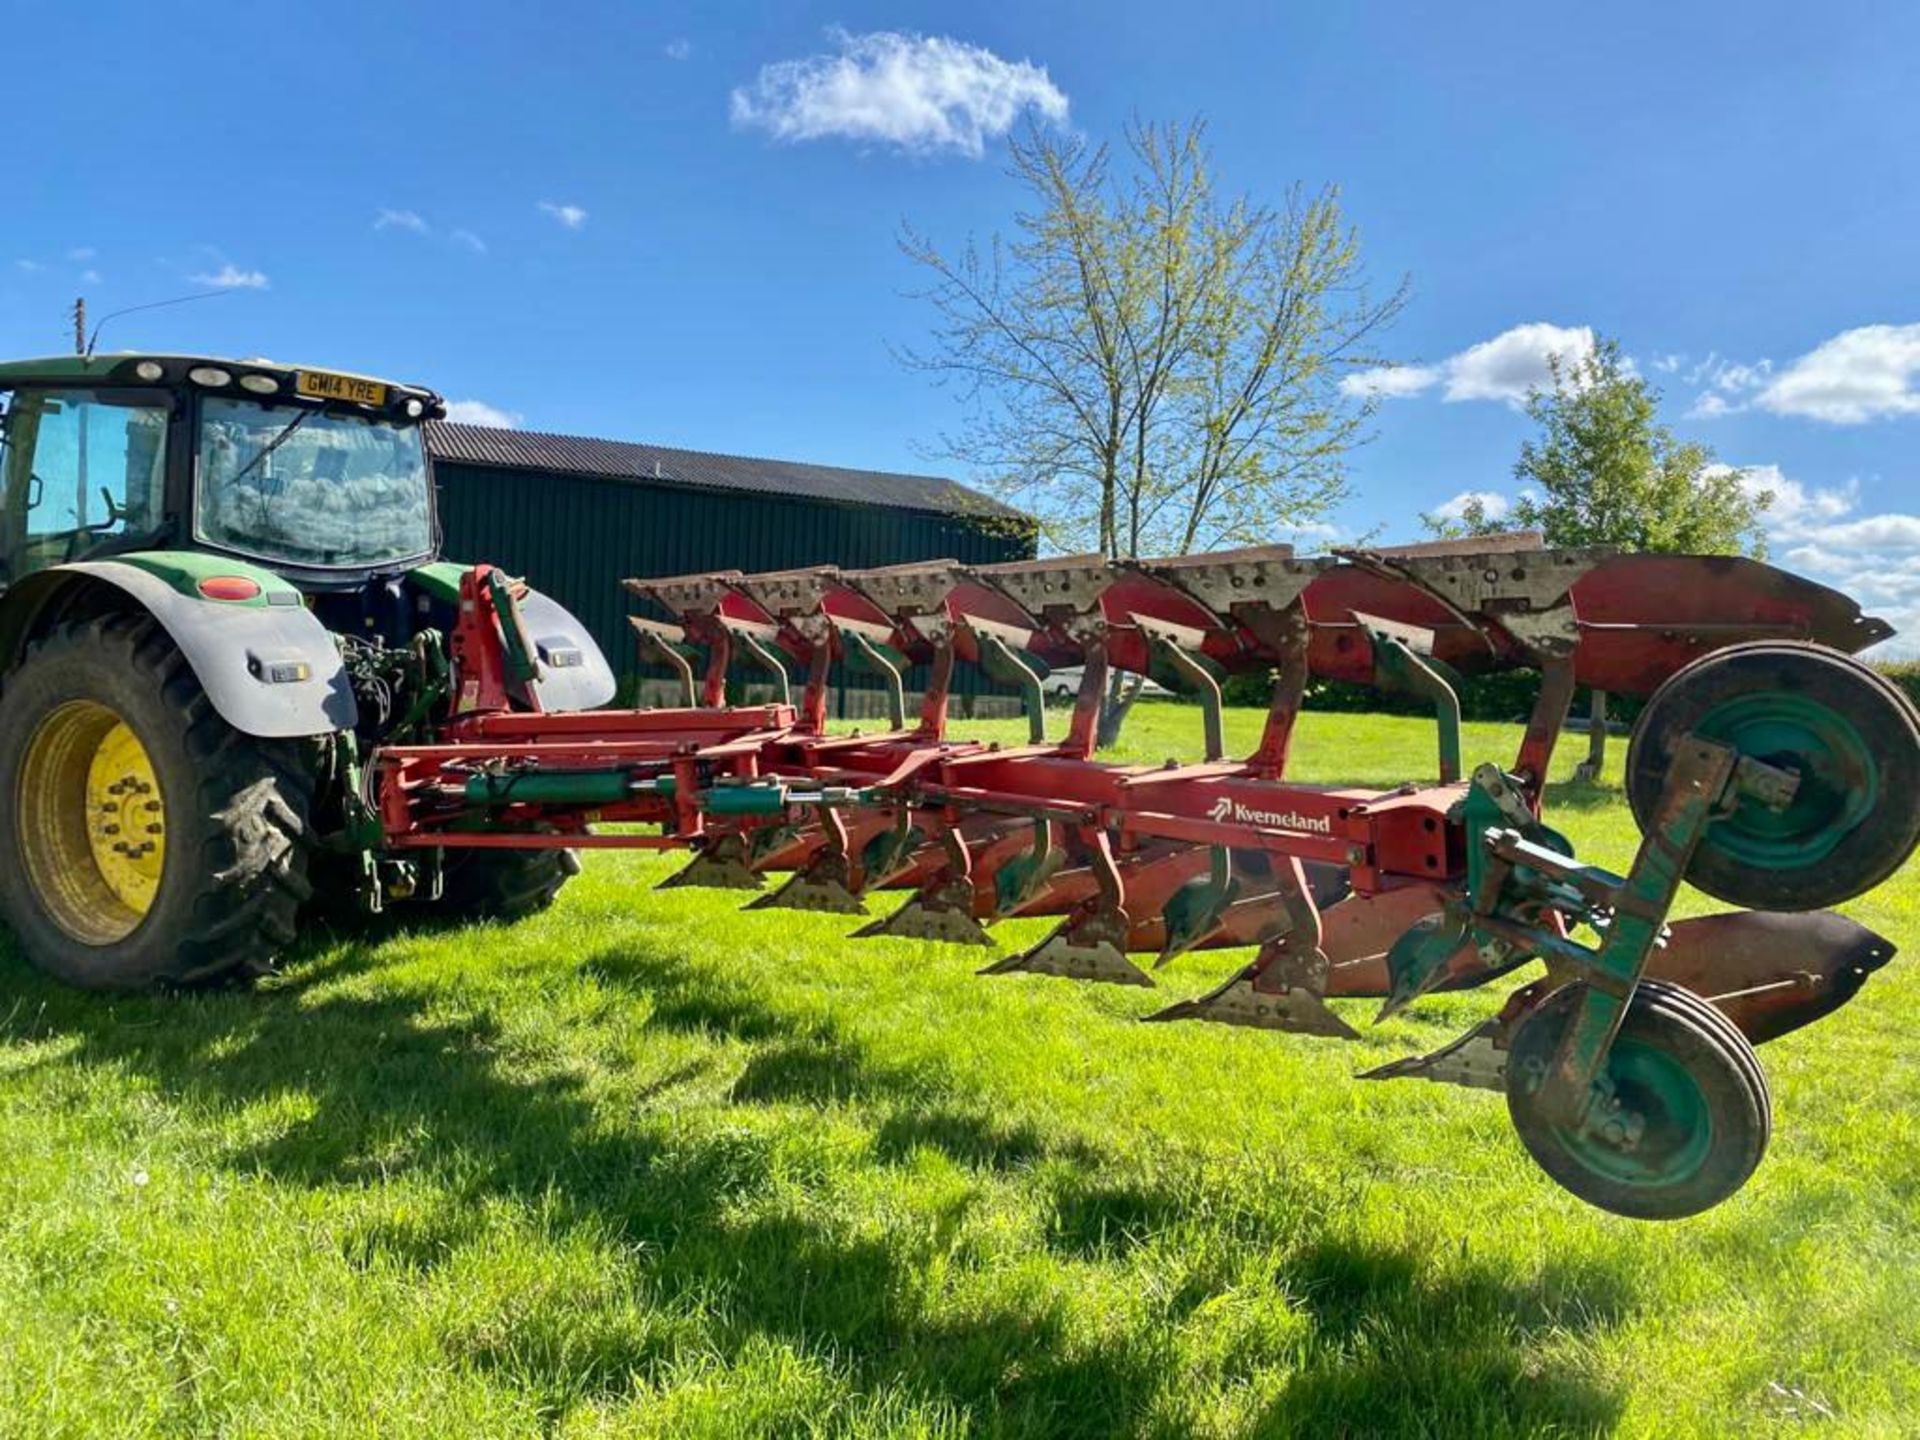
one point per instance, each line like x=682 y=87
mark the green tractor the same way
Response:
x=220 y=586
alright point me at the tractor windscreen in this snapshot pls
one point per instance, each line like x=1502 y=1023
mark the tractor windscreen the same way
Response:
x=311 y=487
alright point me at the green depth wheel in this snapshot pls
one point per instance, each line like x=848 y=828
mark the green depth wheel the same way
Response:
x=1850 y=736
x=1680 y=1115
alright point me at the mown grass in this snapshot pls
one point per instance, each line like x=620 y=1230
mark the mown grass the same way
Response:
x=649 y=1166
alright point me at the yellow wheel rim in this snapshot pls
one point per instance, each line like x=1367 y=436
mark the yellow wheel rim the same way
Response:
x=93 y=823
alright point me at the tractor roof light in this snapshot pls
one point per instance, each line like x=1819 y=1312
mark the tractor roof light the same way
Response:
x=229 y=587
x=150 y=370
x=260 y=384
x=414 y=408
x=212 y=376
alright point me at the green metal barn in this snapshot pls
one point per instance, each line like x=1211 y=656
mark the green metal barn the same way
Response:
x=578 y=516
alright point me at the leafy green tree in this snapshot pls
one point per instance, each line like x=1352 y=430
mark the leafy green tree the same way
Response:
x=1602 y=471
x=1473 y=517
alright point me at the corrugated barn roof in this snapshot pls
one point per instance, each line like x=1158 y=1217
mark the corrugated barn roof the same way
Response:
x=656 y=464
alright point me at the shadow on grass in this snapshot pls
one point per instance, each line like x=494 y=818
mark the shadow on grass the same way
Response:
x=1397 y=1345
x=399 y=1081
x=974 y=1140
x=1392 y=1348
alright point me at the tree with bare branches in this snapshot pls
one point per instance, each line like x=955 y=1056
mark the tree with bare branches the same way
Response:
x=1148 y=366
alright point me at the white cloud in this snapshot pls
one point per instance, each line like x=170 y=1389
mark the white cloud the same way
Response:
x=401 y=220
x=1308 y=532
x=678 y=49
x=571 y=216
x=1886 y=585
x=80 y=254
x=414 y=223
x=1868 y=373
x=231 y=277
x=1515 y=362
x=1493 y=505
x=1872 y=532
x=922 y=94
x=478 y=412
x=1875 y=559
x=1667 y=364
x=1813 y=559
x=1859 y=375
x=1504 y=368
x=91 y=277
x=31 y=267
x=1795 y=508
x=1730 y=377
x=1727 y=386
x=1390 y=381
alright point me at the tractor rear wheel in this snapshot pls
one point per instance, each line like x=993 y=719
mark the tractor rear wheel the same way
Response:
x=504 y=884
x=1846 y=732
x=146 y=841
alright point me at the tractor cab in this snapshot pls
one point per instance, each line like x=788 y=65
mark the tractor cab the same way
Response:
x=320 y=476
x=220 y=586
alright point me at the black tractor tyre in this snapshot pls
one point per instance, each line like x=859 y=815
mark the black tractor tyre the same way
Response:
x=503 y=884
x=227 y=814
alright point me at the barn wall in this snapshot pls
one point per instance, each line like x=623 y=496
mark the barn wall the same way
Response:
x=577 y=538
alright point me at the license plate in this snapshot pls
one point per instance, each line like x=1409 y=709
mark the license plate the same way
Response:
x=322 y=386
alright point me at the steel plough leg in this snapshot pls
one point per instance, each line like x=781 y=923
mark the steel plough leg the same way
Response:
x=1090 y=944
x=720 y=864
x=1205 y=902
x=940 y=910
x=824 y=884
x=1285 y=986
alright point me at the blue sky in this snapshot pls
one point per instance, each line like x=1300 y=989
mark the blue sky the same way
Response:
x=562 y=214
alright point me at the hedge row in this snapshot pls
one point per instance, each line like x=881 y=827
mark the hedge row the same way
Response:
x=1905 y=674
x=1506 y=695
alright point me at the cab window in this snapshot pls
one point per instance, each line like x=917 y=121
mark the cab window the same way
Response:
x=81 y=468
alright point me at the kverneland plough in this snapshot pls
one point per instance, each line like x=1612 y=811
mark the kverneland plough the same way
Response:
x=1768 y=768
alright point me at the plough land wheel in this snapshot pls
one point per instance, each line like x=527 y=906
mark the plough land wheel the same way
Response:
x=505 y=884
x=1851 y=737
x=1680 y=1116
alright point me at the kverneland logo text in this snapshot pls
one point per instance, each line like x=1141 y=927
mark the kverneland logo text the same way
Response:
x=1227 y=808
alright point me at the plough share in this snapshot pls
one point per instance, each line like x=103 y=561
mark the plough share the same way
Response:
x=1768 y=768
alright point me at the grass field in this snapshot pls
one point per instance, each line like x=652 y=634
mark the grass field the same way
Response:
x=648 y=1166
